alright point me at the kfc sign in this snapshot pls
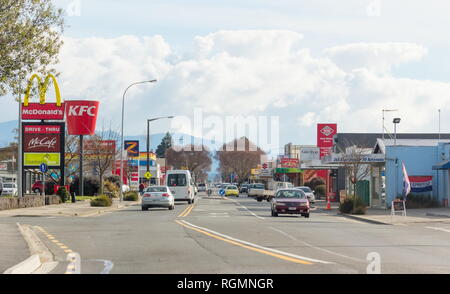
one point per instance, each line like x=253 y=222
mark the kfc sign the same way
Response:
x=81 y=117
x=325 y=134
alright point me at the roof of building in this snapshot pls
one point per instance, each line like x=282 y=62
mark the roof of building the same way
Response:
x=381 y=144
x=369 y=140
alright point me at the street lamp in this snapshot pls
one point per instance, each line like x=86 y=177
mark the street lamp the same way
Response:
x=121 y=134
x=395 y=121
x=148 y=138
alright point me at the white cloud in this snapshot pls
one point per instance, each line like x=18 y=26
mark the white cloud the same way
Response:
x=251 y=73
x=377 y=57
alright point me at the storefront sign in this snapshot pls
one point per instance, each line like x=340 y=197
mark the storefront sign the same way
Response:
x=36 y=159
x=288 y=171
x=289 y=162
x=309 y=153
x=99 y=146
x=42 y=110
x=81 y=117
x=132 y=148
x=41 y=143
x=325 y=134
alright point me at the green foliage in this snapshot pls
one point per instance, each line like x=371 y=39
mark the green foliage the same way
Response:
x=350 y=206
x=321 y=190
x=420 y=201
x=131 y=196
x=63 y=194
x=165 y=144
x=101 y=201
x=30 y=39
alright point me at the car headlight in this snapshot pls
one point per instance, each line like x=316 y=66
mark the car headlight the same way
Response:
x=280 y=203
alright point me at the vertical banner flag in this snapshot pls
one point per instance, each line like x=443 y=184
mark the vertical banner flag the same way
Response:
x=406 y=182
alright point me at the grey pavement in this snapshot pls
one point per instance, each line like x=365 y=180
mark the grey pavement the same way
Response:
x=237 y=235
x=13 y=247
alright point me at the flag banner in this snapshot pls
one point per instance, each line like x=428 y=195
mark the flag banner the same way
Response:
x=406 y=182
x=421 y=184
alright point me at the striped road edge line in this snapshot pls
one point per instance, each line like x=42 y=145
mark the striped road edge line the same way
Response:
x=254 y=247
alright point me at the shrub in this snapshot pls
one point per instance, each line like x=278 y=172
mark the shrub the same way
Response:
x=91 y=186
x=321 y=190
x=314 y=183
x=101 y=201
x=112 y=188
x=131 y=196
x=348 y=206
x=63 y=194
x=420 y=201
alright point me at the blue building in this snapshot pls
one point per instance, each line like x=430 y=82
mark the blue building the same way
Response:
x=427 y=162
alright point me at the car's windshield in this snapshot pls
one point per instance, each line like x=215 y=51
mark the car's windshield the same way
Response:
x=176 y=180
x=231 y=188
x=156 y=189
x=258 y=186
x=290 y=194
x=8 y=185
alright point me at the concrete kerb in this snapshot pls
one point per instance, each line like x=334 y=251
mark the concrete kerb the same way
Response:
x=364 y=219
x=41 y=257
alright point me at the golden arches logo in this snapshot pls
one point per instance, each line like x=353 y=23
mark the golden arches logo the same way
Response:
x=42 y=88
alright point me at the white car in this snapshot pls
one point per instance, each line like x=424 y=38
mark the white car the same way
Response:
x=9 y=189
x=309 y=193
x=157 y=196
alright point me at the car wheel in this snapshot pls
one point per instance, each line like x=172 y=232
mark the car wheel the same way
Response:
x=189 y=201
x=144 y=208
x=259 y=200
x=274 y=213
x=306 y=215
x=37 y=191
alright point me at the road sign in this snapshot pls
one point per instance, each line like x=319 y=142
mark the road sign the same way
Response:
x=148 y=175
x=43 y=167
x=265 y=166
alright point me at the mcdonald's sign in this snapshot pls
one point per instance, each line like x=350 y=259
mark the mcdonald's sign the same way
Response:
x=42 y=110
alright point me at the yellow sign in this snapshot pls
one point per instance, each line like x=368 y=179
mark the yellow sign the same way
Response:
x=42 y=87
x=36 y=159
x=148 y=175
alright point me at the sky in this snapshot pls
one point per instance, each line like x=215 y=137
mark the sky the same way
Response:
x=305 y=62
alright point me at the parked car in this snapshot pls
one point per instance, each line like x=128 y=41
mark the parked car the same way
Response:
x=244 y=188
x=37 y=187
x=232 y=190
x=9 y=189
x=157 y=196
x=309 y=193
x=258 y=191
x=290 y=201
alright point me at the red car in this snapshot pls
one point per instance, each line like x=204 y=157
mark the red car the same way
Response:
x=290 y=201
x=37 y=187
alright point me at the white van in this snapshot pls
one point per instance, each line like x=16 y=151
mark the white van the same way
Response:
x=181 y=184
x=282 y=185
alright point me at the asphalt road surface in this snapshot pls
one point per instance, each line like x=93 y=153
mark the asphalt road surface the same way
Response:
x=237 y=236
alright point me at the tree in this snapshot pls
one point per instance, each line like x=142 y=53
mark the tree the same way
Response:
x=197 y=162
x=234 y=160
x=100 y=153
x=166 y=143
x=30 y=40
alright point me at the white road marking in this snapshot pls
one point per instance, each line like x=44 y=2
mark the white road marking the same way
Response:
x=316 y=247
x=108 y=266
x=242 y=206
x=438 y=229
x=258 y=246
x=74 y=266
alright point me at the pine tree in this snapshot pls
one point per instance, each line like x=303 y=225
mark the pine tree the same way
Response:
x=166 y=143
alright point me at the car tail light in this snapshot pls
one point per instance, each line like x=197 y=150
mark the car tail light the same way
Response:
x=165 y=195
x=147 y=195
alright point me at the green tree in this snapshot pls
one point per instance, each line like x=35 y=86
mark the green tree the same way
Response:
x=30 y=39
x=166 y=143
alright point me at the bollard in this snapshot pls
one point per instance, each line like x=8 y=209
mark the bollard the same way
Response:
x=74 y=199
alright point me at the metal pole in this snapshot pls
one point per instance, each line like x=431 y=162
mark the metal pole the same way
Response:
x=81 y=184
x=383 y=125
x=395 y=134
x=148 y=145
x=19 y=154
x=121 y=135
x=439 y=125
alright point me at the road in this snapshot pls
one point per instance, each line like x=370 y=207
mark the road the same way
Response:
x=237 y=236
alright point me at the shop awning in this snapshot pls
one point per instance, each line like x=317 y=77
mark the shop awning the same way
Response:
x=442 y=165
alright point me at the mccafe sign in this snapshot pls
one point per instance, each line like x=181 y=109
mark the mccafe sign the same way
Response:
x=41 y=143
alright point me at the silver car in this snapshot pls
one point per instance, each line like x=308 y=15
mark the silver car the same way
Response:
x=309 y=193
x=157 y=196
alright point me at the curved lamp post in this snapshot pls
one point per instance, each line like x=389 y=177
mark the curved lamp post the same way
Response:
x=121 y=135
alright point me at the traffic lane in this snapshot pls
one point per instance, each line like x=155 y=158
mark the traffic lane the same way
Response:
x=137 y=242
x=13 y=246
x=238 y=223
x=346 y=242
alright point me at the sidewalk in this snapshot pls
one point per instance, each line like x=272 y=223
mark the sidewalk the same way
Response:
x=13 y=246
x=81 y=209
